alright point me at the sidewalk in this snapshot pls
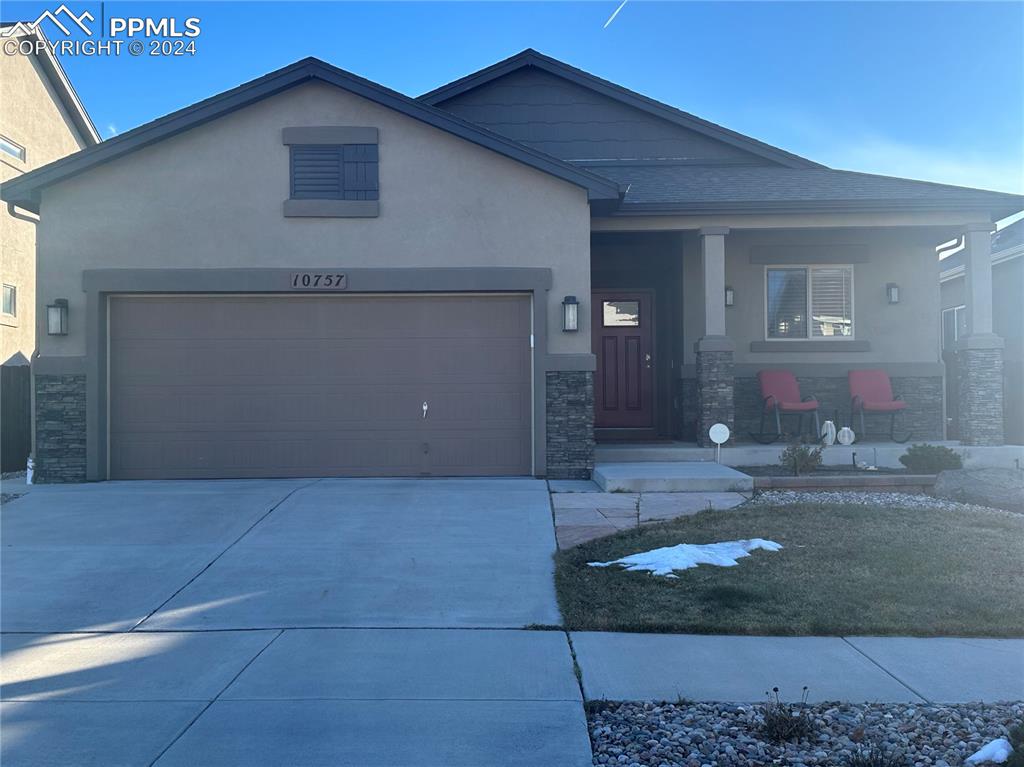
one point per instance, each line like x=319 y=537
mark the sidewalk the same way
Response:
x=666 y=667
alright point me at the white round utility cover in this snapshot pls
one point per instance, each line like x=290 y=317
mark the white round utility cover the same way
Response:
x=719 y=433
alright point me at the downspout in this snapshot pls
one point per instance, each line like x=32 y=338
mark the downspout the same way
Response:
x=32 y=219
x=15 y=213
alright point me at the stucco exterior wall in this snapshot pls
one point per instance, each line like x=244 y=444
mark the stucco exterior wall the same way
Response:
x=212 y=198
x=907 y=332
x=32 y=116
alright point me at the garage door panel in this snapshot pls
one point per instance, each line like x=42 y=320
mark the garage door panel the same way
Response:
x=277 y=362
x=169 y=409
x=377 y=317
x=289 y=386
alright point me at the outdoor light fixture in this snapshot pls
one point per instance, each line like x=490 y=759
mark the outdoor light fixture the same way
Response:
x=892 y=292
x=57 y=318
x=730 y=296
x=570 y=314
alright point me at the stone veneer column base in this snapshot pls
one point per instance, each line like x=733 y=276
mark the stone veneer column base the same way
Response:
x=980 y=380
x=60 y=428
x=570 y=424
x=714 y=386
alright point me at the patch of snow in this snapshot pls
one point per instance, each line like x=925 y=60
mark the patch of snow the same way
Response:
x=994 y=752
x=665 y=560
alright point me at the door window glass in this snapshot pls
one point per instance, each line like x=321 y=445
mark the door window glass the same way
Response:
x=621 y=314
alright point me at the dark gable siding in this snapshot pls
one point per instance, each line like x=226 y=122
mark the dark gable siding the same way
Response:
x=553 y=115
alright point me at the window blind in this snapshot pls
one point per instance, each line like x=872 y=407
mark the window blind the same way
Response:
x=831 y=301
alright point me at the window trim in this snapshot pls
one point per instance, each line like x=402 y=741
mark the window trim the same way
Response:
x=14 y=295
x=810 y=337
x=22 y=157
x=333 y=135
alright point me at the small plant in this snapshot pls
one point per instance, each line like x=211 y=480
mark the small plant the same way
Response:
x=930 y=459
x=783 y=721
x=1017 y=741
x=876 y=757
x=800 y=459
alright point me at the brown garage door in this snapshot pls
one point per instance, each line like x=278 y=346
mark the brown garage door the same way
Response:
x=299 y=386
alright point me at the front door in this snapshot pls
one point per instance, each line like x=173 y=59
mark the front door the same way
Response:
x=623 y=341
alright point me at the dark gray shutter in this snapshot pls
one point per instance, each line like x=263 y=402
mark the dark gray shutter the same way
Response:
x=334 y=172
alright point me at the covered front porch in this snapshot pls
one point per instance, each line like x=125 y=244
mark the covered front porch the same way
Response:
x=685 y=313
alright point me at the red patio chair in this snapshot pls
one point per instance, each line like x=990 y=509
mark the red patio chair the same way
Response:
x=780 y=394
x=871 y=392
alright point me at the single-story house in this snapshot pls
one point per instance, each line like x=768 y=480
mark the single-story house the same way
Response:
x=1007 y=323
x=314 y=275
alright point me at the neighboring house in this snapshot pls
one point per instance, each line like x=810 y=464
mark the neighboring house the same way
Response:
x=312 y=274
x=1007 y=323
x=41 y=120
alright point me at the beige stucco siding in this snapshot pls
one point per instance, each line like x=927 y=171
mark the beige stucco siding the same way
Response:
x=212 y=197
x=907 y=332
x=30 y=115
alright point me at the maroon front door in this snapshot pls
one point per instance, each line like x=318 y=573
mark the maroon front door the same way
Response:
x=623 y=343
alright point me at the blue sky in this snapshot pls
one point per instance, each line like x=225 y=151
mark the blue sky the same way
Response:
x=930 y=90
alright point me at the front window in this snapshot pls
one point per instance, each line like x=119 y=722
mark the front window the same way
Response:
x=808 y=302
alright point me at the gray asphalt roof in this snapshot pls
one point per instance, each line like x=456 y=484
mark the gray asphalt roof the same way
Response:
x=704 y=187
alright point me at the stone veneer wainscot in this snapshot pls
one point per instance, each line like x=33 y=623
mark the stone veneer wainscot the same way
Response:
x=60 y=428
x=570 y=424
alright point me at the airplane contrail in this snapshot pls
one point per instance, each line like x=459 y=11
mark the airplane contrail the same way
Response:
x=612 y=17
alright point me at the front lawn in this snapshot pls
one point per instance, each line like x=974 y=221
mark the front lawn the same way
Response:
x=842 y=570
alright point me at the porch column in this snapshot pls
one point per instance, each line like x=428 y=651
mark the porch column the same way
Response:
x=714 y=349
x=980 y=352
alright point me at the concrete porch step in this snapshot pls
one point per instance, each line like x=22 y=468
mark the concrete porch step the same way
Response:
x=671 y=477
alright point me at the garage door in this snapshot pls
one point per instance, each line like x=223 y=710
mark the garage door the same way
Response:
x=300 y=386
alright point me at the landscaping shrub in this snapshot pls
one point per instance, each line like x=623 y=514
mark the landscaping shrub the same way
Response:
x=1017 y=741
x=782 y=721
x=930 y=459
x=800 y=459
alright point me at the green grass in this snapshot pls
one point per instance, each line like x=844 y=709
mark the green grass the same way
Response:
x=842 y=570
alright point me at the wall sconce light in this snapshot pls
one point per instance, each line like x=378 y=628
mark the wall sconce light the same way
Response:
x=730 y=296
x=57 y=318
x=892 y=292
x=570 y=314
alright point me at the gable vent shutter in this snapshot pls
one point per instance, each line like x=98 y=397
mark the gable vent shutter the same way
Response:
x=317 y=173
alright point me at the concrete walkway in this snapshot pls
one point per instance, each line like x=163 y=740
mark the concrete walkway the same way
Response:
x=664 y=667
x=582 y=514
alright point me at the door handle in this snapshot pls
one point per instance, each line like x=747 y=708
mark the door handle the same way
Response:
x=647 y=360
x=426 y=407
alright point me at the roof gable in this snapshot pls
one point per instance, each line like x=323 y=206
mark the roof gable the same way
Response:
x=574 y=115
x=58 y=80
x=25 y=191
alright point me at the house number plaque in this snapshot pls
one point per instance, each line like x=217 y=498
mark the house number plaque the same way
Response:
x=319 y=281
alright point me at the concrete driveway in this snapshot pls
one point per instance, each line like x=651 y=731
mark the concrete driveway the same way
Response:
x=330 y=622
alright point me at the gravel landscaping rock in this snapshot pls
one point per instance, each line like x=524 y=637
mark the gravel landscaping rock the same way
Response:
x=864 y=498
x=1002 y=488
x=723 y=734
